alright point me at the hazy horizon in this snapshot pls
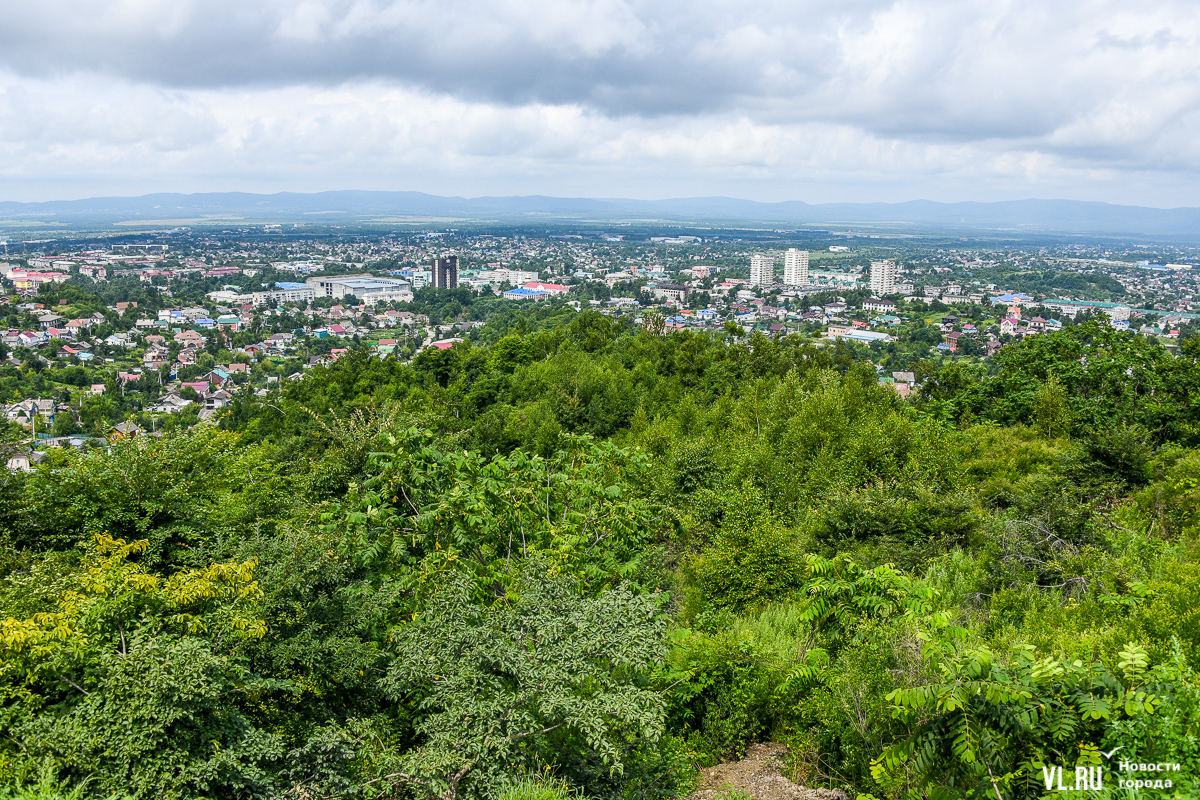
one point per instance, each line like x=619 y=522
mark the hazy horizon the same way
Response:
x=596 y=198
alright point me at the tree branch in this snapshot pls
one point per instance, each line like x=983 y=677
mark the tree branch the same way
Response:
x=77 y=686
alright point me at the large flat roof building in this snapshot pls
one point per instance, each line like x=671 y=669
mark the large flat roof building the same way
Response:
x=368 y=288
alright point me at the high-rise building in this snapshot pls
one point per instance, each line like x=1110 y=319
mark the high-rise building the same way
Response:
x=883 y=278
x=445 y=272
x=795 y=267
x=762 y=269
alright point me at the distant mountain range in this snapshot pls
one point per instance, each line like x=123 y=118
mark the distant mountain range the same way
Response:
x=919 y=216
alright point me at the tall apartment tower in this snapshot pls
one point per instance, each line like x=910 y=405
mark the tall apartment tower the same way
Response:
x=883 y=278
x=445 y=273
x=795 y=267
x=762 y=269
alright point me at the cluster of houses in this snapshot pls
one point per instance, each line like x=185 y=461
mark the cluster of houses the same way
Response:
x=175 y=338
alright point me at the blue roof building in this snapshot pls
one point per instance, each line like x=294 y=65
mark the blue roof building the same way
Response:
x=522 y=293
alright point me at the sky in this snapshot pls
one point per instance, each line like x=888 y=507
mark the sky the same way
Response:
x=849 y=101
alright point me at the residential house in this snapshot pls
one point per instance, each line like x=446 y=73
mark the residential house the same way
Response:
x=170 y=403
x=124 y=430
x=195 y=313
x=155 y=357
x=879 y=305
x=25 y=462
x=771 y=312
x=24 y=412
x=217 y=376
x=189 y=337
x=216 y=399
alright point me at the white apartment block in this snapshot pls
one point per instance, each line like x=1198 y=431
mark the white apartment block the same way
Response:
x=496 y=277
x=795 y=267
x=284 y=296
x=883 y=278
x=762 y=269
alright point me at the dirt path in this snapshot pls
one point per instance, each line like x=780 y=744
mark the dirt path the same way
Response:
x=760 y=775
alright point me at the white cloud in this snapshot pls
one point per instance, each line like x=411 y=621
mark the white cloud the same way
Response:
x=865 y=99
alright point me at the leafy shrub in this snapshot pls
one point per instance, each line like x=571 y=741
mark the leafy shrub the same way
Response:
x=752 y=559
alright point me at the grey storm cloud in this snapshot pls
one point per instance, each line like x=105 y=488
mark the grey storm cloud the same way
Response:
x=957 y=68
x=612 y=55
x=703 y=96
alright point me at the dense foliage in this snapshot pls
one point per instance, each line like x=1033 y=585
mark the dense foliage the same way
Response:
x=574 y=556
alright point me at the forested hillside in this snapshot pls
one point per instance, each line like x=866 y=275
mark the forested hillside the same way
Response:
x=577 y=558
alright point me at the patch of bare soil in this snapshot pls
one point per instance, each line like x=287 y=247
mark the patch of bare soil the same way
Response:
x=760 y=775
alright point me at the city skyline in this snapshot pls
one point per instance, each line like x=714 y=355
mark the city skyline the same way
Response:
x=876 y=101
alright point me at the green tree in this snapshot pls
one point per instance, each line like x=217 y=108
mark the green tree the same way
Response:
x=546 y=674
x=130 y=680
x=1051 y=409
x=986 y=726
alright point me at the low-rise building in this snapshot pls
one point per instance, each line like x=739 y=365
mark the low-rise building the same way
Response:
x=305 y=294
x=367 y=288
x=672 y=292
